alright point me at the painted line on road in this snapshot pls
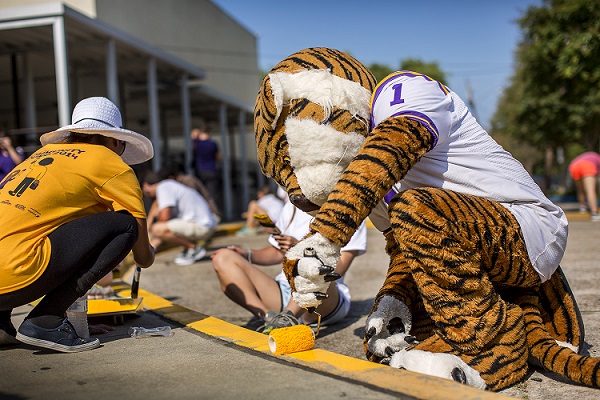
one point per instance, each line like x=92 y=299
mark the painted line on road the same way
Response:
x=363 y=372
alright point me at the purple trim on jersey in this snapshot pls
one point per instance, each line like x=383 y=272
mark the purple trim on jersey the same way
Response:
x=423 y=119
x=389 y=196
x=416 y=74
x=378 y=90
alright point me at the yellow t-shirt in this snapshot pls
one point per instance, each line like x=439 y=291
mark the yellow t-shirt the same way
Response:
x=57 y=184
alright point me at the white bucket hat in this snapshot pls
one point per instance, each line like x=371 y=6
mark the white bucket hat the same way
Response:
x=98 y=115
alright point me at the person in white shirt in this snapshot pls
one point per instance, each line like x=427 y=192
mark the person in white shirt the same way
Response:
x=179 y=216
x=266 y=203
x=259 y=293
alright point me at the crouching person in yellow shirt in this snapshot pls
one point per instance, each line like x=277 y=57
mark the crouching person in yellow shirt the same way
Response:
x=69 y=214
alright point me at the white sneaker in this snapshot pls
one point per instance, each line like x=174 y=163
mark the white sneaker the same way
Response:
x=190 y=256
x=181 y=256
x=595 y=218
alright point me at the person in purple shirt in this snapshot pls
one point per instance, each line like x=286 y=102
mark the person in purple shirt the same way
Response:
x=10 y=156
x=584 y=170
x=206 y=157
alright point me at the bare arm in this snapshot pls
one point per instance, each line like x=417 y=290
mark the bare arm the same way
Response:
x=143 y=252
x=7 y=143
x=346 y=258
x=164 y=214
x=152 y=214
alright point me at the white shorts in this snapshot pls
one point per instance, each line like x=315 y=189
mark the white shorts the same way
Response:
x=341 y=310
x=189 y=229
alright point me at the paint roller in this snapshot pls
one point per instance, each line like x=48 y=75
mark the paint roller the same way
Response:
x=291 y=339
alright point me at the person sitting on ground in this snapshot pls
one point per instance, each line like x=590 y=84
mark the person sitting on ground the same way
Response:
x=266 y=203
x=179 y=215
x=259 y=293
x=78 y=214
x=10 y=156
x=584 y=170
x=196 y=184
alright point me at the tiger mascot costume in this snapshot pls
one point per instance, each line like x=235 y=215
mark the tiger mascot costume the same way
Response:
x=474 y=291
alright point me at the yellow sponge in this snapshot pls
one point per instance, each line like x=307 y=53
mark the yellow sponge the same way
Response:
x=292 y=339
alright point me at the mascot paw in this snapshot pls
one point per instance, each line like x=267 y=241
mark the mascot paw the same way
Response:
x=447 y=366
x=387 y=330
x=316 y=260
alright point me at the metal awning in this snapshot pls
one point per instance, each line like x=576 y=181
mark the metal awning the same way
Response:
x=52 y=56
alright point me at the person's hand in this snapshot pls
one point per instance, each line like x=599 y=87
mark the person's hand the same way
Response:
x=285 y=242
x=5 y=142
x=309 y=267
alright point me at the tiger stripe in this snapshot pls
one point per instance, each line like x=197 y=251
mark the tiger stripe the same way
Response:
x=380 y=163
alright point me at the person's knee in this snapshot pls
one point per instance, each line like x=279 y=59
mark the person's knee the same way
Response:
x=159 y=230
x=222 y=259
x=125 y=221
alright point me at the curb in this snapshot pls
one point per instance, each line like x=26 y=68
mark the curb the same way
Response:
x=365 y=373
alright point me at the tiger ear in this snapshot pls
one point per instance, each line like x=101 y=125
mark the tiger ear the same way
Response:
x=266 y=116
x=268 y=106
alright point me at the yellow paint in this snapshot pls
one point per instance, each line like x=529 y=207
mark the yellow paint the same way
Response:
x=334 y=359
x=98 y=307
x=232 y=333
x=151 y=301
x=402 y=382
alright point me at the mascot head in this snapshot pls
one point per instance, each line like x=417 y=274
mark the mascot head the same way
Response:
x=310 y=119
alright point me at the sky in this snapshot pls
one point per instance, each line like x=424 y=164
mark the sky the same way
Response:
x=472 y=41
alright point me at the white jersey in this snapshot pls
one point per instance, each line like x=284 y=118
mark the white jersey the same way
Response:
x=187 y=203
x=465 y=159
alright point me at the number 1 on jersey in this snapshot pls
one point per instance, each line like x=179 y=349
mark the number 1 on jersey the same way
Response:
x=397 y=95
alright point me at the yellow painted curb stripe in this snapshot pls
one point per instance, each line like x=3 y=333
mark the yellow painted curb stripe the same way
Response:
x=367 y=373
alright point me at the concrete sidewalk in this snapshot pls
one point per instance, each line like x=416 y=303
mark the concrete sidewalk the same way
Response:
x=211 y=356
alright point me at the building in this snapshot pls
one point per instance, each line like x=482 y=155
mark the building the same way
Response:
x=169 y=66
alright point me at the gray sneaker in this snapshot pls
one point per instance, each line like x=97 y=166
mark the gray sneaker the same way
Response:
x=64 y=338
x=282 y=320
x=190 y=256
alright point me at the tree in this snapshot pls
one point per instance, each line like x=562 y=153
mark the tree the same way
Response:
x=431 y=69
x=554 y=95
x=380 y=71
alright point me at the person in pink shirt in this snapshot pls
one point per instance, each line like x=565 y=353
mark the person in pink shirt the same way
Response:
x=584 y=171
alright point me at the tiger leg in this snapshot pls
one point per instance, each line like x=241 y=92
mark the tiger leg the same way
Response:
x=398 y=315
x=555 y=330
x=457 y=247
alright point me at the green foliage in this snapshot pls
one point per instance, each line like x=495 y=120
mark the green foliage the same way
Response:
x=554 y=95
x=431 y=69
x=380 y=71
x=553 y=99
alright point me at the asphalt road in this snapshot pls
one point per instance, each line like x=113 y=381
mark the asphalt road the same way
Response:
x=197 y=364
